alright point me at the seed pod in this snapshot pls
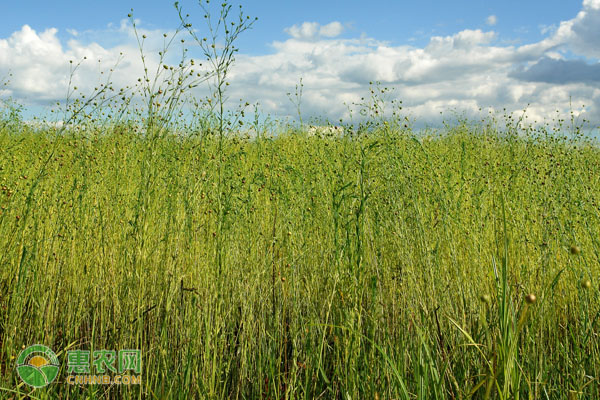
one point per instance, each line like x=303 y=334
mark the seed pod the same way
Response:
x=530 y=298
x=586 y=284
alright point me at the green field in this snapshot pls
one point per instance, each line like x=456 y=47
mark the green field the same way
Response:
x=253 y=259
x=388 y=265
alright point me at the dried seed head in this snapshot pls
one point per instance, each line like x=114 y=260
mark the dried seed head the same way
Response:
x=586 y=284
x=530 y=298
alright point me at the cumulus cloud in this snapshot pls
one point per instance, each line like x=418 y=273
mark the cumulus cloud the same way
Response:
x=593 y=4
x=581 y=33
x=466 y=71
x=312 y=30
x=491 y=20
x=41 y=66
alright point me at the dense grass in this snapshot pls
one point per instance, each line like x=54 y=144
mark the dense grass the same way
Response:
x=385 y=266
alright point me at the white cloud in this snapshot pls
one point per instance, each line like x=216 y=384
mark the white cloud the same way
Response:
x=581 y=33
x=312 y=30
x=592 y=4
x=465 y=71
x=41 y=66
x=332 y=29
x=546 y=29
x=491 y=20
x=307 y=30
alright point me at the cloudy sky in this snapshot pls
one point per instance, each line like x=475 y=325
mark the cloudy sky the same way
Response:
x=438 y=56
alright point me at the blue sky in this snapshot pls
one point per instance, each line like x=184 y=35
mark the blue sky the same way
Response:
x=438 y=55
x=398 y=22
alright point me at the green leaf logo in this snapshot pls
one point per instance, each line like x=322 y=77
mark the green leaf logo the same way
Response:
x=37 y=366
